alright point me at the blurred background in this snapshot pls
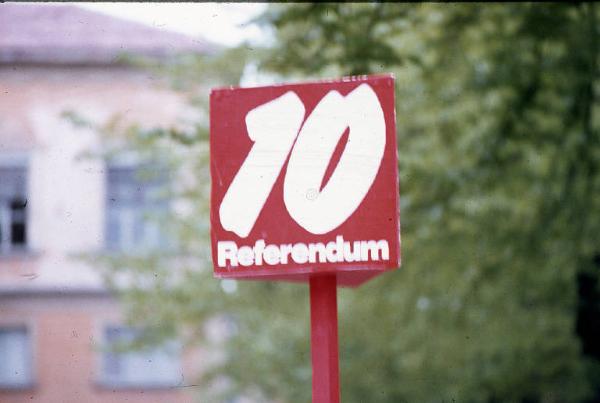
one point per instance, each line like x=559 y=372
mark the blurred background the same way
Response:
x=106 y=288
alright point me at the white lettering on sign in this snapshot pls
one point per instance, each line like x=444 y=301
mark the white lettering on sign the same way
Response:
x=273 y=127
x=320 y=211
x=336 y=251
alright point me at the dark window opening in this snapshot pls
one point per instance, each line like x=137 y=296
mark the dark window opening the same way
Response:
x=13 y=209
x=18 y=235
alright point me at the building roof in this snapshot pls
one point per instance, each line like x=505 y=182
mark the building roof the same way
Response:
x=67 y=34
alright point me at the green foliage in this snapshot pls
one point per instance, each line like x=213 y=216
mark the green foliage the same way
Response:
x=500 y=209
x=359 y=36
x=498 y=165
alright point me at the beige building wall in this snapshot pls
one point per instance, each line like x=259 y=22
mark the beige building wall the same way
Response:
x=59 y=298
x=65 y=183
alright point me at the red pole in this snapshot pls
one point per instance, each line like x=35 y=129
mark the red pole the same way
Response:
x=324 y=339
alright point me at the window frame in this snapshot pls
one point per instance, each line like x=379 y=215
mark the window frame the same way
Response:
x=29 y=358
x=111 y=381
x=134 y=216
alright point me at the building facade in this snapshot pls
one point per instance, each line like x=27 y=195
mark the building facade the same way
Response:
x=60 y=328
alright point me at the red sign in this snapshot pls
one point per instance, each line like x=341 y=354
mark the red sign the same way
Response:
x=305 y=180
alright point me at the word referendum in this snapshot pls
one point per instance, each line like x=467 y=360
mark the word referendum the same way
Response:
x=332 y=252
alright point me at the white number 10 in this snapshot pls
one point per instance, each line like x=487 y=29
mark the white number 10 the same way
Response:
x=274 y=127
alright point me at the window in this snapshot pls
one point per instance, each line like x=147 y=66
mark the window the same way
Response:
x=135 y=204
x=150 y=366
x=15 y=357
x=13 y=209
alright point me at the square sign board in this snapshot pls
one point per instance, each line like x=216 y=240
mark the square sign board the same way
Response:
x=305 y=180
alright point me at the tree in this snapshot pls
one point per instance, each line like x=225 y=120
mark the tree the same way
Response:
x=499 y=154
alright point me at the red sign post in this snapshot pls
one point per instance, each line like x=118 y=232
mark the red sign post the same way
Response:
x=305 y=188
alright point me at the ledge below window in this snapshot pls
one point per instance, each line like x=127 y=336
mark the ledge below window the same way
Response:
x=19 y=254
x=107 y=385
x=23 y=387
